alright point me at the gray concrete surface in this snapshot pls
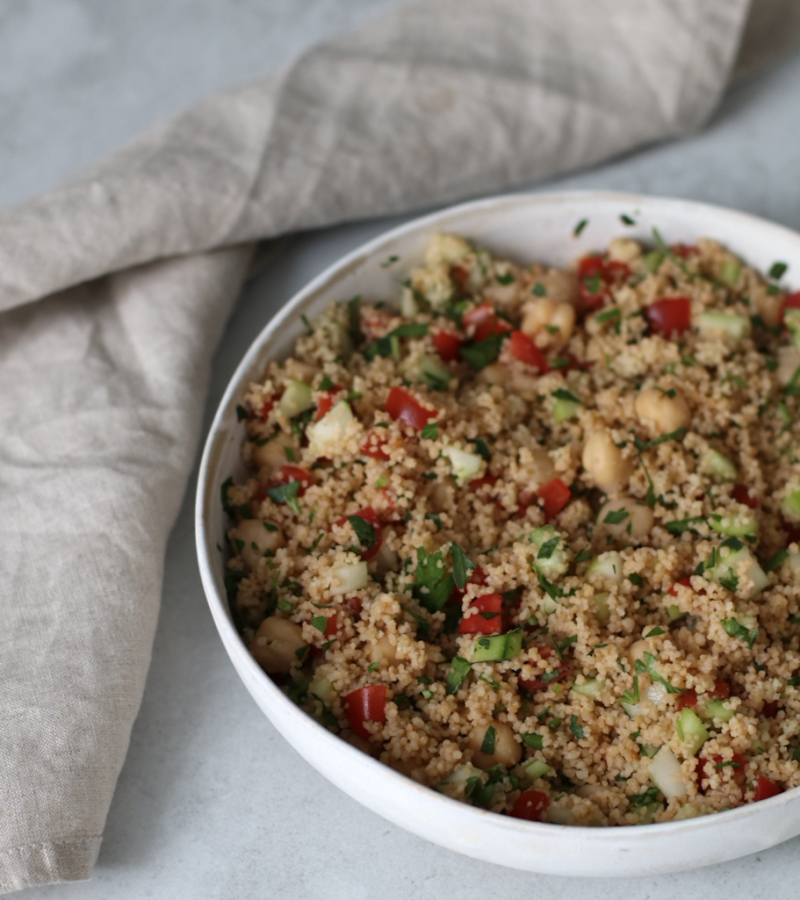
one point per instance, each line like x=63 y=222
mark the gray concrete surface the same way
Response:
x=212 y=803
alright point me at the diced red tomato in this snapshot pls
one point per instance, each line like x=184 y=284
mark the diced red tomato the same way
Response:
x=689 y=698
x=540 y=684
x=792 y=532
x=672 y=315
x=369 y=515
x=401 y=405
x=765 y=789
x=268 y=405
x=385 y=506
x=595 y=275
x=372 y=445
x=770 y=709
x=706 y=767
x=459 y=276
x=741 y=495
x=288 y=474
x=483 y=481
x=482 y=321
x=487 y=619
x=523 y=349
x=354 y=604
x=685 y=582
x=477 y=576
x=332 y=627
x=555 y=496
x=448 y=345
x=684 y=251
x=722 y=690
x=325 y=404
x=791 y=301
x=530 y=805
x=365 y=704
x=545 y=652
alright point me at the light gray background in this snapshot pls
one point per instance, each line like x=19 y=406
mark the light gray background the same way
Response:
x=212 y=802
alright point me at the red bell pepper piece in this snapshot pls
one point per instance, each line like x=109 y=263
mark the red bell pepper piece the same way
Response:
x=448 y=345
x=523 y=349
x=765 y=789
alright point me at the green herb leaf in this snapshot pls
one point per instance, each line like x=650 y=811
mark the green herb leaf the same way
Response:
x=626 y=220
x=776 y=560
x=435 y=517
x=487 y=746
x=584 y=555
x=430 y=431
x=730 y=581
x=433 y=586
x=616 y=516
x=778 y=270
x=539 y=290
x=678 y=526
x=533 y=740
x=459 y=669
x=462 y=565
x=506 y=278
x=548 y=547
x=365 y=532
x=320 y=623
x=649 y=666
x=579 y=227
x=480 y=353
x=648 y=445
x=736 y=630
x=651 y=795
x=482 y=449
x=241 y=413
x=285 y=493
x=654 y=632
x=608 y=315
x=562 y=394
x=575 y=728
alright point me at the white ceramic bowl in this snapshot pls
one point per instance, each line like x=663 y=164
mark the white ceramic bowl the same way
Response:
x=522 y=227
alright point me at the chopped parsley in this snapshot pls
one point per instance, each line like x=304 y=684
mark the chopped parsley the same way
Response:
x=506 y=278
x=651 y=795
x=616 y=516
x=433 y=586
x=365 y=532
x=285 y=493
x=241 y=413
x=778 y=270
x=480 y=353
x=579 y=227
x=539 y=290
x=776 y=560
x=636 y=579
x=482 y=449
x=626 y=220
x=575 y=728
x=487 y=746
x=562 y=394
x=548 y=547
x=649 y=666
x=654 y=632
x=462 y=566
x=320 y=623
x=430 y=431
x=459 y=669
x=736 y=630
x=436 y=519
x=533 y=740
x=678 y=526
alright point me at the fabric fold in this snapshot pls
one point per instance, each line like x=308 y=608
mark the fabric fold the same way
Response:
x=136 y=263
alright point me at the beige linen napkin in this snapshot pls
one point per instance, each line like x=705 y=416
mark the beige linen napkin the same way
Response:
x=138 y=262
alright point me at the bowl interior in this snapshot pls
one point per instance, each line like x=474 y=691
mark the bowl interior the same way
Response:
x=522 y=228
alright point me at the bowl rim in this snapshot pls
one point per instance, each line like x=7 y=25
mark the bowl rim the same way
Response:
x=205 y=495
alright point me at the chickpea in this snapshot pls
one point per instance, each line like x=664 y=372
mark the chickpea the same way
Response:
x=536 y=468
x=494 y=373
x=562 y=287
x=624 y=250
x=638 y=649
x=386 y=559
x=257 y=539
x=507 y=752
x=664 y=413
x=604 y=462
x=770 y=307
x=637 y=523
x=443 y=495
x=274 y=646
x=553 y=321
x=272 y=455
x=788 y=363
x=384 y=651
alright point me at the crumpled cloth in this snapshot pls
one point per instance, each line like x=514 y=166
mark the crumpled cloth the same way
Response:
x=135 y=264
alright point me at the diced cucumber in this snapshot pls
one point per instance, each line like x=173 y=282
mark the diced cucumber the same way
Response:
x=461 y=773
x=555 y=561
x=674 y=612
x=607 y=565
x=653 y=260
x=343 y=340
x=715 y=709
x=791 y=319
x=465 y=465
x=734 y=526
x=601 y=611
x=353 y=577
x=712 y=324
x=325 y=437
x=690 y=730
x=549 y=605
x=408 y=304
x=647 y=813
x=433 y=374
x=719 y=465
x=692 y=811
x=730 y=271
x=563 y=410
x=590 y=688
x=728 y=564
x=296 y=398
x=321 y=688
x=496 y=647
x=648 y=750
x=536 y=768
x=791 y=505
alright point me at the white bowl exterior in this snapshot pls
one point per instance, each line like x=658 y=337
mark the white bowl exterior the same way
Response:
x=521 y=227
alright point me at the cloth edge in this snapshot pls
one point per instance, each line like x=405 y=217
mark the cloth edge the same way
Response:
x=48 y=862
